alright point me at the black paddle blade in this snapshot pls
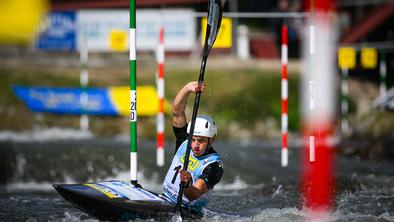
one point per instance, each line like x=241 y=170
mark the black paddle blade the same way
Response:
x=215 y=13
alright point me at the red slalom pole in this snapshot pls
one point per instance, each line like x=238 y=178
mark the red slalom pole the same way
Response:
x=317 y=180
x=284 y=95
x=160 y=93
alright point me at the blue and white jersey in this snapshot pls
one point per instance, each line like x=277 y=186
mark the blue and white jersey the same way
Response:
x=196 y=168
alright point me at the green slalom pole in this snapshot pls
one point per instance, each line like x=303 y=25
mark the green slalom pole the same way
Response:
x=383 y=73
x=133 y=95
x=345 y=101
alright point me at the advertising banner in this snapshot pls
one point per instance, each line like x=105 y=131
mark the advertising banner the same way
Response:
x=179 y=29
x=59 y=32
x=111 y=101
x=65 y=100
x=95 y=27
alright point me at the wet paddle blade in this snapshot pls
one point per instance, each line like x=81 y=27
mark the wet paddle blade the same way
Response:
x=214 y=22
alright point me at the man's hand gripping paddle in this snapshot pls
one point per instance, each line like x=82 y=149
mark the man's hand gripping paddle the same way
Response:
x=215 y=11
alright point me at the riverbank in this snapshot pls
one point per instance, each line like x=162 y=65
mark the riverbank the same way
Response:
x=243 y=96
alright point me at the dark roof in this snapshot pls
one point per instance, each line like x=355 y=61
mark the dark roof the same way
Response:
x=79 y=4
x=380 y=14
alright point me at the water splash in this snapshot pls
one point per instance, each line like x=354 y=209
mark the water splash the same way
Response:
x=44 y=135
x=238 y=184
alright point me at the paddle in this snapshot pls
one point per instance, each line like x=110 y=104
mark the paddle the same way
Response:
x=215 y=11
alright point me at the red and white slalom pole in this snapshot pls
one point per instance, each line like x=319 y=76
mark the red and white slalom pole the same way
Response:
x=284 y=86
x=312 y=93
x=160 y=93
x=318 y=89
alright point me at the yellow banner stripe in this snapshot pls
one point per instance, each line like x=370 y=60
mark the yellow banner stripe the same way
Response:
x=147 y=100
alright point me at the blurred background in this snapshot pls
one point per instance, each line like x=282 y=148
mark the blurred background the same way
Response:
x=64 y=106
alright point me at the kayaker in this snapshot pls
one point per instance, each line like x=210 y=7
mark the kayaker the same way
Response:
x=205 y=165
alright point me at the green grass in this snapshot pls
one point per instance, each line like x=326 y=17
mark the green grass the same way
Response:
x=247 y=97
x=242 y=96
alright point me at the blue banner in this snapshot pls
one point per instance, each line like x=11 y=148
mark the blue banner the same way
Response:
x=62 y=100
x=59 y=32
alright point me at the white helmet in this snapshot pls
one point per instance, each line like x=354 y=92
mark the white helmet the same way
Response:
x=205 y=126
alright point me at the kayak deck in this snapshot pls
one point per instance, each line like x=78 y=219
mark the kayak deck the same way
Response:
x=117 y=200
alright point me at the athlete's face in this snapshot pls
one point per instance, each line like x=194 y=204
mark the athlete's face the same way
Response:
x=199 y=145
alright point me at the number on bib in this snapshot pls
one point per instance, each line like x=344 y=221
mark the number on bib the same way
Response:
x=176 y=173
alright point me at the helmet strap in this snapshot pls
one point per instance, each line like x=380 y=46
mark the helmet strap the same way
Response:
x=208 y=145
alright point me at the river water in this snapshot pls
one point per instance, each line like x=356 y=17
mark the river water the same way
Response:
x=254 y=186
